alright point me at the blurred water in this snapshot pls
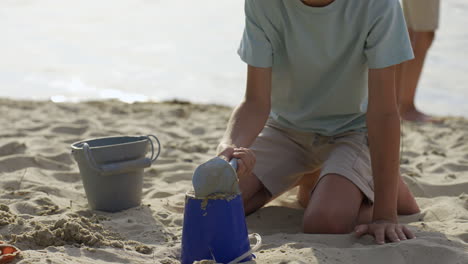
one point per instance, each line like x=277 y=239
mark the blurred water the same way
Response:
x=137 y=50
x=443 y=87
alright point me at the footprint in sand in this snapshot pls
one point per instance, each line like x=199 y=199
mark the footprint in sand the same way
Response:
x=81 y=122
x=64 y=157
x=180 y=113
x=19 y=162
x=464 y=198
x=450 y=177
x=193 y=147
x=12 y=148
x=438 y=170
x=169 y=123
x=457 y=145
x=456 y=167
x=173 y=177
x=69 y=129
x=69 y=177
x=161 y=195
x=423 y=189
x=410 y=154
x=46 y=206
x=173 y=166
x=465 y=157
x=24 y=207
x=35 y=128
x=463 y=237
x=198 y=131
x=147 y=185
x=6 y=217
x=39 y=206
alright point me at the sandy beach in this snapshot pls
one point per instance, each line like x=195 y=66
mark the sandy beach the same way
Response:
x=44 y=211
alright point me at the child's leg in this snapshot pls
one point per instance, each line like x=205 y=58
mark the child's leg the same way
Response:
x=280 y=162
x=254 y=194
x=306 y=185
x=422 y=18
x=334 y=206
x=406 y=203
x=409 y=74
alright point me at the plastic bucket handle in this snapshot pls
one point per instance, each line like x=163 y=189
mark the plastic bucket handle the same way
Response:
x=153 y=158
x=233 y=163
x=123 y=165
x=258 y=238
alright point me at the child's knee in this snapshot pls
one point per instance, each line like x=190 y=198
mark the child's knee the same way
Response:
x=409 y=209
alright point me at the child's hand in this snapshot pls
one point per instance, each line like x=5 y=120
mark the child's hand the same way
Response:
x=245 y=158
x=245 y=161
x=394 y=232
x=225 y=151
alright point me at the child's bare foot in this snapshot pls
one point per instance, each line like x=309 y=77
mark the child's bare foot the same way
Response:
x=414 y=115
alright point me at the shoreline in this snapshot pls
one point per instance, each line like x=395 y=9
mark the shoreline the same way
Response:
x=175 y=101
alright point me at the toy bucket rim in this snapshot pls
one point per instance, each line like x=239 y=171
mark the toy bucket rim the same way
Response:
x=84 y=147
x=78 y=145
x=228 y=196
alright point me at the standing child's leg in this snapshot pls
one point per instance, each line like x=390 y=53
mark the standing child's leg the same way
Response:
x=422 y=18
x=409 y=75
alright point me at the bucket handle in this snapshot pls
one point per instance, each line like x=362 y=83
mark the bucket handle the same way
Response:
x=258 y=238
x=233 y=163
x=124 y=165
x=153 y=158
x=89 y=157
x=116 y=167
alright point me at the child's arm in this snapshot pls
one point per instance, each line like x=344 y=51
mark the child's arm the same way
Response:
x=249 y=118
x=383 y=122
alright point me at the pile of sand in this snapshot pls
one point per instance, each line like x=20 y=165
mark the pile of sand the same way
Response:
x=43 y=207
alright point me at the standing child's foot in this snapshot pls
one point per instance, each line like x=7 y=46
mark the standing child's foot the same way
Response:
x=416 y=116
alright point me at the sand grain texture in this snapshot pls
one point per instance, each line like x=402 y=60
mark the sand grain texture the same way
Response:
x=43 y=207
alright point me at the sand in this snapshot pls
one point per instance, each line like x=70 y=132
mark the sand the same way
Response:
x=44 y=212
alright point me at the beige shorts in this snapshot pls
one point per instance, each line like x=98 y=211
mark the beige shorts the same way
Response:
x=422 y=15
x=284 y=156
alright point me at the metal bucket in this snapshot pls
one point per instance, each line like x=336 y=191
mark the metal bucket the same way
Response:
x=111 y=169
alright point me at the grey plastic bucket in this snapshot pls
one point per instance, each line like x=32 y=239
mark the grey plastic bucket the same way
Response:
x=111 y=169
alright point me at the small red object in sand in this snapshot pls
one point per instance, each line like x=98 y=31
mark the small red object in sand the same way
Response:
x=7 y=252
